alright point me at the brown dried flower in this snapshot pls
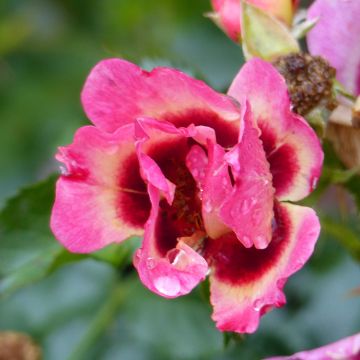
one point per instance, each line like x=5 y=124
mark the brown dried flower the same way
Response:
x=18 y=346
x=310 y=81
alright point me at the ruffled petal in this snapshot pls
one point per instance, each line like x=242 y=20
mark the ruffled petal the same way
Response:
x=117 y=92
x=167 y=263
x=235 y=187
x=246 y=283
x=248 y=208
x=101 y=197
x=336 y=37
x=216 y=188
x=174 y=273
x=197 y=162
x=292 y=147
x=344 y=349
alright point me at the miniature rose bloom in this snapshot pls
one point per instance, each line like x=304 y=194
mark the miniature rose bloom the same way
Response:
x=344 y=349
x=336 y=37
x=203 y=177
x=227 y=13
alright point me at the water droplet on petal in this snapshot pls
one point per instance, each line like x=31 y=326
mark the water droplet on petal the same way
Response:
x=246 y=240
x=261 y=242
x=207 y=206
x=253 y=201
x=64 y=171
x=150 y=263
x=168 y=286
x=314 y=183
x=195 y=172
x=257 y=305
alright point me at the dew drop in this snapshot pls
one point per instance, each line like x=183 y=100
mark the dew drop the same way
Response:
x=207 y=206
x=257 y=305
x=150 y=263
x=168 y=286
x=314 y=183
x=64 y=171
x=246 y=240
x=195 y=172
x=261 y=242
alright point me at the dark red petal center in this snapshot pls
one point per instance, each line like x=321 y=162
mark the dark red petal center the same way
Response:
x=283 y=160
x=227 y=132
x=183 y=217
x=235 y=264
x=133 y=203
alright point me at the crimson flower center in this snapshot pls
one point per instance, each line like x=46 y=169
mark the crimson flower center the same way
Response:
x=183 y=217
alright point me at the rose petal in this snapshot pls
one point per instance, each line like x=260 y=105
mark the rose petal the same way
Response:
x=101 y=197
x=172 y=274
x=248 y=209
x=216 y=188
x=246 y=283
x=116 y=92
x=336 y=37
x=197 y=162
x=292 y=147
x=344 y=349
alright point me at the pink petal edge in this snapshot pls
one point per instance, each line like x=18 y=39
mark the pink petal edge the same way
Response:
x=93 y=203
x=292 y=147
x=238 y=307
x=117 y=92
x=344 y=349
x=165 y=276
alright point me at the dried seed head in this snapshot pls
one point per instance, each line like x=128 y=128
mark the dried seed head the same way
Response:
x=17 y=346
x=310 y=81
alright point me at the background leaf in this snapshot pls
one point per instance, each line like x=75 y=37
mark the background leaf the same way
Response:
x=27 y=247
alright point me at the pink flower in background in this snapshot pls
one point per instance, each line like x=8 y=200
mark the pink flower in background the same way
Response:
x=336 y=37
x=228 y=13
x=204 y=177
x=345 y=349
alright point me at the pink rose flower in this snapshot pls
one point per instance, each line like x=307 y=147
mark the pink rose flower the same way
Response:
x=228 y=13
x=344 y=349
x=204 y=179
x=336 y=37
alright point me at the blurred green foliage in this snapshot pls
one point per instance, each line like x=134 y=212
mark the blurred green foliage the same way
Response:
x=95 y=307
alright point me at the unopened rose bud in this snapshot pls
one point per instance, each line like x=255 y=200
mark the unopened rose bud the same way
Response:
x=227 y=13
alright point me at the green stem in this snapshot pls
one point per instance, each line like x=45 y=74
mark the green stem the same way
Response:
x=102 y=321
